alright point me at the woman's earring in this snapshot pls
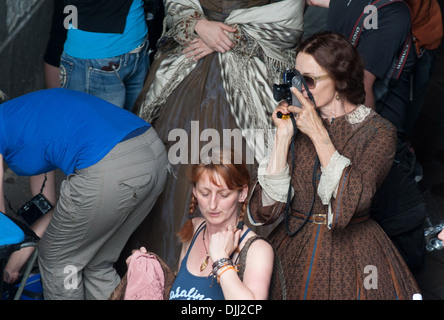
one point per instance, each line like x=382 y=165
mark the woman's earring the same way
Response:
x=337 y=97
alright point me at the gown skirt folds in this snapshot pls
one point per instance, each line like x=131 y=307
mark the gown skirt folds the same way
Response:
x=339 y=253
x=193 y=105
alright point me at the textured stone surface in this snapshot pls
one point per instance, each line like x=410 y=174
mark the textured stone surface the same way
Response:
x=24 y=32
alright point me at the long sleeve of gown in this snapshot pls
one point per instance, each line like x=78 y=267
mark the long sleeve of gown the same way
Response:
x=370 y=149
x=360 y=180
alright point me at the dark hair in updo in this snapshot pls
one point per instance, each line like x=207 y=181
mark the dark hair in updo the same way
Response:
x=342 y=61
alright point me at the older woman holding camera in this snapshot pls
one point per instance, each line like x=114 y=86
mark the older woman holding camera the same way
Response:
x=329 y=246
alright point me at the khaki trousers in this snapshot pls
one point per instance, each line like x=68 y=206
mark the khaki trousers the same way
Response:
x=98 y=210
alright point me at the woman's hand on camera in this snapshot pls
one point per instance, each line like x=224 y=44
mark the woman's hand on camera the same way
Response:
x=307 y=118
x=284 y=126
x=310 y=123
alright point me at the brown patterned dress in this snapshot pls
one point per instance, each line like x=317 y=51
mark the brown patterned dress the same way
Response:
x=352 y=258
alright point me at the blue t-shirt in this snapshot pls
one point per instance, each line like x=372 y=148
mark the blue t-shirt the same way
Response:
x=94 y=45
x=59 y=128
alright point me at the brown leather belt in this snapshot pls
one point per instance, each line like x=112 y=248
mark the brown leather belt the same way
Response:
x=321 y=218
x=316 y=218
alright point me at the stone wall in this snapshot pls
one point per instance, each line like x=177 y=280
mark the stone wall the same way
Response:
x=24 y=33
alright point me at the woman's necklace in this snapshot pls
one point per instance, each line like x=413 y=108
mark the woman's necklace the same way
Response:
x=205 y=262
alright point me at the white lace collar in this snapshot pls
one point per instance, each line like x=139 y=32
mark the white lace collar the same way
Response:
x=358 y=115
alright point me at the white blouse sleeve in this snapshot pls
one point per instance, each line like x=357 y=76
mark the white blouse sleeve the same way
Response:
x=274 y=186
x=328 y=184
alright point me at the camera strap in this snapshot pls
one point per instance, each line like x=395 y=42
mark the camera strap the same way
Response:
x=288 y=214
x=43 y=184
x=41 y=192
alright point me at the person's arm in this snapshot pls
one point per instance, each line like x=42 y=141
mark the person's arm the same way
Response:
x=369 y=81
x=318 y=3
x=269 y=195
x=258 y=271
x=257 y=276
x=18 y=258
x=52 y=76
x=284 y=133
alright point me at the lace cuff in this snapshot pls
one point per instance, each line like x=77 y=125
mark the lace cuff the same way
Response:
x=330 y=177
x=184 y=31
x=274 y=186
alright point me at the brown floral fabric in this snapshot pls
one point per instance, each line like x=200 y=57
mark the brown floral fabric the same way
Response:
x=352 y=258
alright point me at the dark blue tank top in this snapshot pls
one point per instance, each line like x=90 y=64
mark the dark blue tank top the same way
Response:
x=187 y=286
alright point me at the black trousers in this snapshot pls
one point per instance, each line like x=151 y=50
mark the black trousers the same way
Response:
x=398 y=205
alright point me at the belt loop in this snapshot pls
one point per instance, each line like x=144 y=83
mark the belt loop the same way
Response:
x=139 y=48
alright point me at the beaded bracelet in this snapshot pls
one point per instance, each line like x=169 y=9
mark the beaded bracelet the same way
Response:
x=228 y=267
x=220 y=263
x=217 y=265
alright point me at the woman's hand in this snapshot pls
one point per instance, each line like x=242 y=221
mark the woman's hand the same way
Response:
x=197 y=49
x=284 y=133
x=318 y=3
x=223 y=243
x=310 y=123
x=215 y=35
x=307 y=118
x=283 y=126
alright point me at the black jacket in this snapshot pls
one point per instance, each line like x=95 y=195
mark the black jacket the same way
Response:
x=104 y=16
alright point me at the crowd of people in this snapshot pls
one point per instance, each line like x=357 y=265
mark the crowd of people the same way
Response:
x=329 y=193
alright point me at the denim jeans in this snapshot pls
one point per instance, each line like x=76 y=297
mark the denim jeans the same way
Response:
x=118 y=80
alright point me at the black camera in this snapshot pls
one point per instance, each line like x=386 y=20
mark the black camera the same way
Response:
x=35 y=208
x=283 y=92
x=432 y=241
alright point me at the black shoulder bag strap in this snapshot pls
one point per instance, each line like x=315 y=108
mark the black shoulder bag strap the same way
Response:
x=398 y=64
x=288 y=214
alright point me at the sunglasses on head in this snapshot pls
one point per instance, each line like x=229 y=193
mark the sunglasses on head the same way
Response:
x=312 y=80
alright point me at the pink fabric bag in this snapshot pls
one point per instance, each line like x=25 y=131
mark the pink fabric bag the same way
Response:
x=145 y=278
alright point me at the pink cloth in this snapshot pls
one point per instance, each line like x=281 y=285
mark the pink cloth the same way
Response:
x=145 y=278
